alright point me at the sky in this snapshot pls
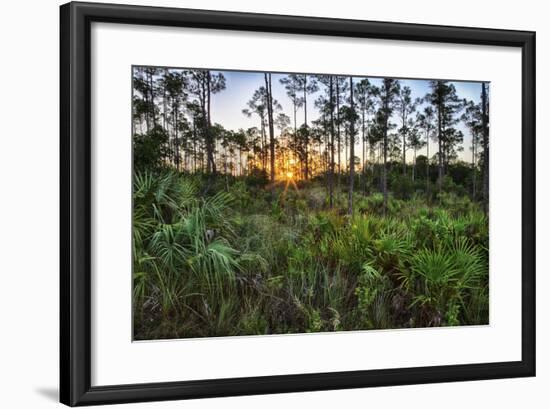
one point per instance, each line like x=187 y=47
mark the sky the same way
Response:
x=228 y=104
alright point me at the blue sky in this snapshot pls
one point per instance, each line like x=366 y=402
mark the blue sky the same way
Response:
x=227 y=105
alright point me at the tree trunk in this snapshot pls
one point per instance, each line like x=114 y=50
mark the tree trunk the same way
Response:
x=428 y=166
x=351 y=150
x=306 y=130
x=331 y=173
x=363 y=173
x=194 y=146
x=372 y=156
x=439 y=144
x=295 y=128
x=385 y=171
x=210 y=163
x=267 y=78
x=473 y=166
x=414 y=165
x=147 y=113
x=404 y=151
x=176 y=142
x=164 y=106
x=379 y=156
x=485 y=148
x=264 y=145
x=152 y=96
x=338 y=127
x=362 y=147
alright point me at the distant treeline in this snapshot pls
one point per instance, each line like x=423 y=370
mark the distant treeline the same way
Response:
x=173 y=127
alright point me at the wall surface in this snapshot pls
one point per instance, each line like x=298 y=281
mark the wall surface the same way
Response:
x=29 y=204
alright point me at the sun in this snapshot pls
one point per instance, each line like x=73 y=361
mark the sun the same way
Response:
x=289 y=175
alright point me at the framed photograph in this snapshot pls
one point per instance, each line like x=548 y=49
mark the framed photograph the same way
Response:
x=259 y=204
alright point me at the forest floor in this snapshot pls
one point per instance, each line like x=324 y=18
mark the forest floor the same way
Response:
x=249 y=259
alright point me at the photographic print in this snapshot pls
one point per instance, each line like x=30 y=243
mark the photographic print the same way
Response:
x=290 y=203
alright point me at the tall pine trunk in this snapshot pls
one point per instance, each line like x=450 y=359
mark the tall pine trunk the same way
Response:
x=306 y=131
x=263 y=145
x=485 y=148
x=474 y=166
x=363 y=173
x=176 y=142
x=338 y=127
x=331 y=173
x=152 y=97
x=440 y=147
x=267 y=78
x=404 y=149
x=210 y=163
x=351 y=150
x=384 y=168
x=295 y=127
x=428 y=166
x=414 y=165
x=165 y=108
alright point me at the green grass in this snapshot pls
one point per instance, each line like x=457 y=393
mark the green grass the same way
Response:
x=241 y=260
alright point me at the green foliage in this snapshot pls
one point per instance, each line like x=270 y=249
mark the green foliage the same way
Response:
x=257 y=178
x=181 y=242
x=243 y=259
x=450 y=186
x=403 y=187
x=150 y=148
x=372 y=289
x=442 y=278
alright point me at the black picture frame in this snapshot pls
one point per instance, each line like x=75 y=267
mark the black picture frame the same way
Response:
x=75 y=203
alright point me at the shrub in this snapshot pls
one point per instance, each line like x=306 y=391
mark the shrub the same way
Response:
x=402 y=187
x=257 y=178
